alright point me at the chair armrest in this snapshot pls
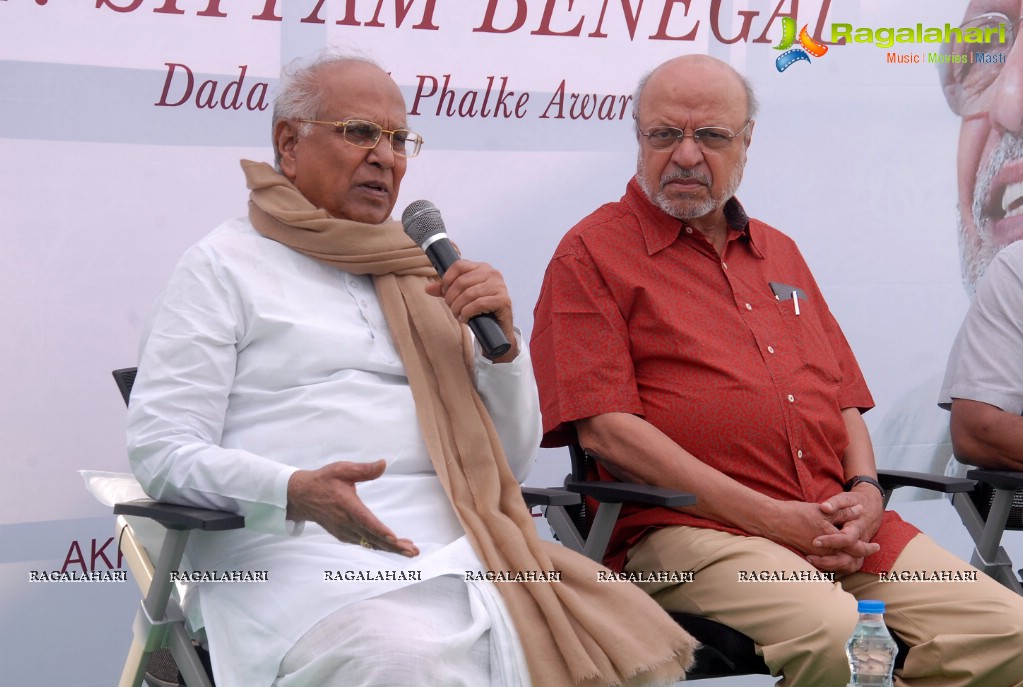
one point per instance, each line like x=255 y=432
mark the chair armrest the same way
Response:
x=999 y=479
x=892 y=479
x=537 y=496
x=627 y=492
x=176 y=517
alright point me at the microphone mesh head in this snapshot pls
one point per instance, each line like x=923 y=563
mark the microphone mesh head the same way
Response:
x=421 y=220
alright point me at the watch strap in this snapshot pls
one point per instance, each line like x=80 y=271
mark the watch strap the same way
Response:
x=863 y=478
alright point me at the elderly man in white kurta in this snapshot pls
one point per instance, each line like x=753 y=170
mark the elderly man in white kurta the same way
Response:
x=264 y=389
x=260 y=362
x=299 y=370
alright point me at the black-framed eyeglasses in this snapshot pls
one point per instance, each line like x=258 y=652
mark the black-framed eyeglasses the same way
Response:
x=366 y=134
x=707 y=137
x=968 y=70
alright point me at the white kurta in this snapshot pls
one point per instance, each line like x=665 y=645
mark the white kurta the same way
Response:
x=258 y=361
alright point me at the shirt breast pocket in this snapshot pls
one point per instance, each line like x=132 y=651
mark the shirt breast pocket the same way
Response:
x=801 y=316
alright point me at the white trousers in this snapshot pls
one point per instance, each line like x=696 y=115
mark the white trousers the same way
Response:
x=443 y=631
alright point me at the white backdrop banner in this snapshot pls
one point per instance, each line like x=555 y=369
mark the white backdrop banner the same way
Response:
x=123 y=122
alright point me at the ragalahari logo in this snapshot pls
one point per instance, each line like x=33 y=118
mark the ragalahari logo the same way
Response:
x=788 y=38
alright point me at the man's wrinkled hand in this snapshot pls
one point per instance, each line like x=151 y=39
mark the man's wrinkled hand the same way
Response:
x=474 y=288
x=857 y=514
x=827 y=546
x=797 y=524
x=863 y=504
x=327 y=496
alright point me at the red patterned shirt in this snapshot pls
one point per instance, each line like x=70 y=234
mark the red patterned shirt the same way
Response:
x=639 y=314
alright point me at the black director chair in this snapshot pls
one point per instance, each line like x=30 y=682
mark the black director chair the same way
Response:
x=725 y=651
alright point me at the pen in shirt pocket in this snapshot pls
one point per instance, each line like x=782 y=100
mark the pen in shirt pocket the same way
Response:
x=784 y=292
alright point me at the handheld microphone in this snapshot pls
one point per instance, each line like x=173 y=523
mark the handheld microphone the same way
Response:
x=423 y=224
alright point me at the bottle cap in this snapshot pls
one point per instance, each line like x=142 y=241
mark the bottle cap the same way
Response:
x=870 y=606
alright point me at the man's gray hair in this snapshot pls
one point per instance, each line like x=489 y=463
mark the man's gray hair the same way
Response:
x=300 y=93
x=752 y=104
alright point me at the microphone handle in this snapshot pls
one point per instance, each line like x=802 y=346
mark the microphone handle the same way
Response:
x=484 y=326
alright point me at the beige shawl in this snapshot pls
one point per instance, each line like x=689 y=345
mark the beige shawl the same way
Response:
x=576 y=631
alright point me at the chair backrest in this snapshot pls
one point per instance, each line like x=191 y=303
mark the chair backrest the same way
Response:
x=584 y=467
x=125 y=378
x=579 y=458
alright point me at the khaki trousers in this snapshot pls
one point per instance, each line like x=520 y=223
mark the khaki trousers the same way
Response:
x=959 y=633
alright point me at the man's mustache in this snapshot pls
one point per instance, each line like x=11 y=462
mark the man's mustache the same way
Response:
x=684 y=174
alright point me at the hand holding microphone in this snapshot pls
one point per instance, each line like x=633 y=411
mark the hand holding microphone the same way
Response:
x=475 y=292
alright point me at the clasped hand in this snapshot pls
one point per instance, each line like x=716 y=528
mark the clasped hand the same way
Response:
x=835 y=535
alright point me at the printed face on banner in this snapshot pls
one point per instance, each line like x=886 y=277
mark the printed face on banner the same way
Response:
x=689 y=179
x=986 y=90
x=348 y=181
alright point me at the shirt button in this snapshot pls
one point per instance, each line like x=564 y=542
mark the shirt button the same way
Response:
x=799 y=453
x=689 y=230
x=749 y=307
x=792 y=399
x=770 y=349
x=724 y=265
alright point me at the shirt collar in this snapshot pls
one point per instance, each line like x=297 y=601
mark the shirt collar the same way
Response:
x=660 y=229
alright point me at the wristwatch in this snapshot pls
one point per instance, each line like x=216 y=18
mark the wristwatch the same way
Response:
x=863 y=478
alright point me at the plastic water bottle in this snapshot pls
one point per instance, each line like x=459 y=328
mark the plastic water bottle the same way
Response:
x=871 y=649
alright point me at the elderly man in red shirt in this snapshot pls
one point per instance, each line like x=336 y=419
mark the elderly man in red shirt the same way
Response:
x=688 y=346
